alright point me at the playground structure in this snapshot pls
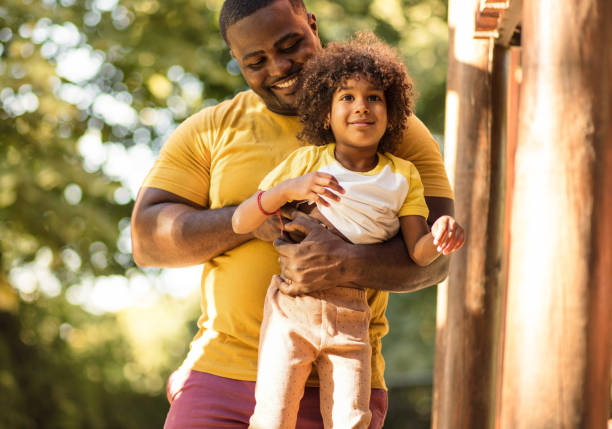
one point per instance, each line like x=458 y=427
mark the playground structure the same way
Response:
x=524 y=323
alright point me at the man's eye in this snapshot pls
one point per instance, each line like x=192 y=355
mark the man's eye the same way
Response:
x=291 y=47
x=257 y=64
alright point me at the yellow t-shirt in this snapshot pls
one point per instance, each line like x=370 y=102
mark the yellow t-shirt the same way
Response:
x=369 y=210
x=217 y=158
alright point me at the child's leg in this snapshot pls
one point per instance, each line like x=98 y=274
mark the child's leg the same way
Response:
x=344 y=364
x=345 y=388
x=286 y=353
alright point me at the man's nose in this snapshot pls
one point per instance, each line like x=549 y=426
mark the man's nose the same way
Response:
x=280 y=66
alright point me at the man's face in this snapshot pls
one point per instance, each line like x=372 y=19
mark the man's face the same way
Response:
x=271 y=47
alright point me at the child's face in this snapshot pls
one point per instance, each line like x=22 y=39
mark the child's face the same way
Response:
x=358 y=115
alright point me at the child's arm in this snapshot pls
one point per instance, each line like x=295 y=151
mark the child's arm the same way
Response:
x=311 y=186
x=424 y=246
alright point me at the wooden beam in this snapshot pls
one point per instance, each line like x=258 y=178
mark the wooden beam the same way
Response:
x=487 y=18
x=513 y=102
x=468 y=303
x=556 y=364
x=498 y=20
x=509 y=21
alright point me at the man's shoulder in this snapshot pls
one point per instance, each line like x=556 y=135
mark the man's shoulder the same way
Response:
x=310 y=149
x=400 y=165
x=398 y=161
x=243 y=101
x=312 y=155
x=225 y=114
x=215 y=118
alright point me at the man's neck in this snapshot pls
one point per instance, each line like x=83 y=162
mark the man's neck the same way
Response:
x=284 y=112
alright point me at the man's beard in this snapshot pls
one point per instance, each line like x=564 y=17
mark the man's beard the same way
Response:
x=277 y=105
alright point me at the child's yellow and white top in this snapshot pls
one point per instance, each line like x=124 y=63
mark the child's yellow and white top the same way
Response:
x=373 y=202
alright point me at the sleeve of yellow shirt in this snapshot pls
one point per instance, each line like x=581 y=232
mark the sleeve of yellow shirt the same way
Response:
x=183 y=165
x=420 y=148
x=414 y=203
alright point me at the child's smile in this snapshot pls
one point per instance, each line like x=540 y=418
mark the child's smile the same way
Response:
x=358 y=115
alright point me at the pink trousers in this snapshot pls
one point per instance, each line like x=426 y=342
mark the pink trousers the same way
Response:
x=204 y=401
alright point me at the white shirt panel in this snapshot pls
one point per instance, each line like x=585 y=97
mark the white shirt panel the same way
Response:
x=367 y=211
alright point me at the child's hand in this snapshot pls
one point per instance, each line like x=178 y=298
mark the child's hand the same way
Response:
x=448 y=234
x=312 y=187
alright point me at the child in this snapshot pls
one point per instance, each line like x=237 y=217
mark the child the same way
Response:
x=353 y=103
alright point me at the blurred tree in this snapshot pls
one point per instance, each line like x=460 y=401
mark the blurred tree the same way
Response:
x=89 y=91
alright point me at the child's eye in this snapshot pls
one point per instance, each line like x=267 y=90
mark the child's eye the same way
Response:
x=347 y=97
x=374 y=98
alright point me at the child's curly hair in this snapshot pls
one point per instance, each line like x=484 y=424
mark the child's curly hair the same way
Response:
x=363 y=55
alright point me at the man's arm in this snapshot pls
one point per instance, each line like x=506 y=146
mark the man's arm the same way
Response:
x=323 y=260
x=169 y=231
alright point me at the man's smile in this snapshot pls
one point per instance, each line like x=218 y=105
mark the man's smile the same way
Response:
x=286 y=83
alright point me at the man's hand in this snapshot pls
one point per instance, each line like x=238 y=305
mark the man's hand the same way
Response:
x=269 y=230
x=316 y=262
x=322 y=260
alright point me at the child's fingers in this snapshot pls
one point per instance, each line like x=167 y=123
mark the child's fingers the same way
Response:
x=440 y=243
x=329 y=194
x=448 y=244
x=439 y=232
x=451 y=234
x=460 y=241
x=320 y=190
x=328 y=181
x=320 y=200
x=316 y=198
x=455 y=243
x=335 y=185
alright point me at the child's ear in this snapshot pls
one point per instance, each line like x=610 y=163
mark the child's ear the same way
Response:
x=327 y=123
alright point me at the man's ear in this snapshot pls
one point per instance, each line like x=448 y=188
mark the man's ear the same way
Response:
x=312 y=23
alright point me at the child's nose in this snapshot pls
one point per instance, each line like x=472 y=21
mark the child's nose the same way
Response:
x=361 y=107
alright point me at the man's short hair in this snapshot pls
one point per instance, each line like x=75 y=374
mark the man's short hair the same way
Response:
x=233 y=11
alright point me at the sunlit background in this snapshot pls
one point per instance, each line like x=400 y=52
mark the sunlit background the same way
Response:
x=89 y=92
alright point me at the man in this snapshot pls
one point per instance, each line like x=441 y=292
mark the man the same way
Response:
x=216 y=159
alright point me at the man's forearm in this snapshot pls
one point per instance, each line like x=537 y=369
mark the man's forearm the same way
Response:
x=175 y=234
x=323 y=260
x=387 y=266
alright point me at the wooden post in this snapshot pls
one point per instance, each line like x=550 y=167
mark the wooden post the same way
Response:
x=513 y=102
x=558 y=330
x=468 y=303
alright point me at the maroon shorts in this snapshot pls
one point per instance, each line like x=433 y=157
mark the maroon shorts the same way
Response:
x=206 y=401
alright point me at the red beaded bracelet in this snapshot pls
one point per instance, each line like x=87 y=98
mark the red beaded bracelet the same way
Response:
x=277 y=212
x=259 y=194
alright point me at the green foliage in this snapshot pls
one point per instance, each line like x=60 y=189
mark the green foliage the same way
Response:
x=409 y=345
x=80 y=82
x=55 y=374
x=408 y=349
